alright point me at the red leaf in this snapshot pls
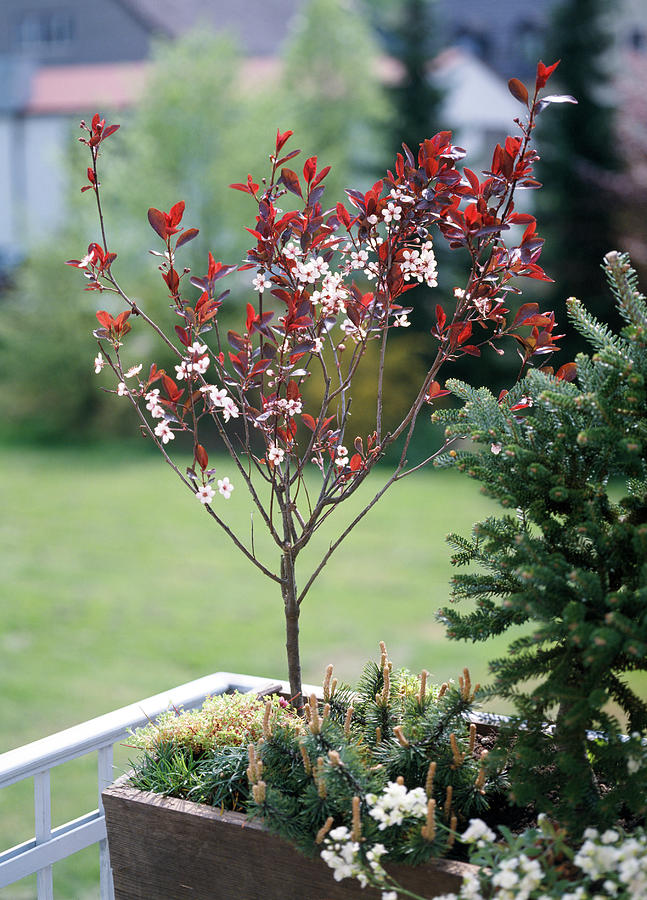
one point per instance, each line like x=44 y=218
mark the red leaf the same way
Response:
x=464 y=333
x=320 y=177
x=436 y=391
x=526 y=311
x=241 y=187
x=441 y=318
x=157 y=220
x=567 y=372
x=105 y=319
x=343 y=215
x=288 y=156
x=310 y=169
x=308 y=421
x=171 y=388
x=518 y=90
x=251 y=317
x=473 y=180
x=182 y=334
x=108 y=131
x=544 y=73
x=291 y=180
x=293 y=391
x=201 y=456
x=355 y=462
x=186 y=236
x=281 y=139
x=175 y=214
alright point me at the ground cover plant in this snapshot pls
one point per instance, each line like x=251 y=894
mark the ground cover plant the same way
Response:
x=320 y=320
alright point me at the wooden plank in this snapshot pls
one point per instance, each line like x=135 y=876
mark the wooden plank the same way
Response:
x=165 y=847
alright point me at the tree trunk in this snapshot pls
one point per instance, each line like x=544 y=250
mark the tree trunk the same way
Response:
x=289 y=591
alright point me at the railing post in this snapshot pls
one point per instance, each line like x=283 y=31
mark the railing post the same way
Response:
x=43 y=831
x=105 y=778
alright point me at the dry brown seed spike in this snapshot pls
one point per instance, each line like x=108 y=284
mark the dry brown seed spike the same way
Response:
x=347 y=721
x=323 y=831
x=356 y=832
x=429 y=783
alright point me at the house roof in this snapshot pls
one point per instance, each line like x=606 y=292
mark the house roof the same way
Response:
x=60 y=90
x=259 y=25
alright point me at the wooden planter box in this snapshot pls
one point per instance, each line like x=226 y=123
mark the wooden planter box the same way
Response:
x=169 y=849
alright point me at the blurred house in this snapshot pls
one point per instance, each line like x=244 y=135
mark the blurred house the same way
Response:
x=62 y=60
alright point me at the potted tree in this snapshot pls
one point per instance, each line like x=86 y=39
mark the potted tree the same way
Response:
x=254 y=386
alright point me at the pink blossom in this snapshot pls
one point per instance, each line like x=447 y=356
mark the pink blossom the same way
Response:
x=225 y=487
x=275 y=454
x=205 y=494
x=164 y=432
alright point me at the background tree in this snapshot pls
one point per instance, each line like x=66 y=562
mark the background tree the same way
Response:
x=578 y=156
x=202 y=126
x=331 y=94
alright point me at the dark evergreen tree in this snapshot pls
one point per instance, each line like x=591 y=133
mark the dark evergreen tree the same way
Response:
x=578 y=152
x=415 y=97
x=570 y=565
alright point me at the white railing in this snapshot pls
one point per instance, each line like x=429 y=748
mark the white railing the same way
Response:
x=50 y=845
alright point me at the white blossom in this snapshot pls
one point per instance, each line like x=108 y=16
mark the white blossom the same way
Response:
x=225 y=487
x=205 y=494
x=261 y=283
x=275 y=454
x=99 y=362
x=164 y=432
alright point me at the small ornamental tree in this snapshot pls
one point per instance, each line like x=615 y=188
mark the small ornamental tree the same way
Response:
x=309 y=315
x=571 y=563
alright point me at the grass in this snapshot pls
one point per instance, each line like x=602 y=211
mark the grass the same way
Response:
x=117 y=586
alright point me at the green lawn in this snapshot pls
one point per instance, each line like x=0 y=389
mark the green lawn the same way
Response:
x=116 y=585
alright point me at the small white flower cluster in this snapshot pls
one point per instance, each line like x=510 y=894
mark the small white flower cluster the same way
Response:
x=356 y=332
x=292 y=250
x=611 y=865
x=391 y=213
x=220 y=398
x=421 y=265
x=206 y=493
x=164 y=433
x=396 y=803
x=342 y=854
x=153 y=405
x=342 y=457
x=517 y=877
x=622 y=863
x=478 y=833
x=275 y=454
x=333 y=294
x=358 y=259
x=198 y=362
x=261 y=283
x=312 y=270
x=281 y=406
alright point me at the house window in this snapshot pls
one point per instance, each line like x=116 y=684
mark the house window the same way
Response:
x=43 y=28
